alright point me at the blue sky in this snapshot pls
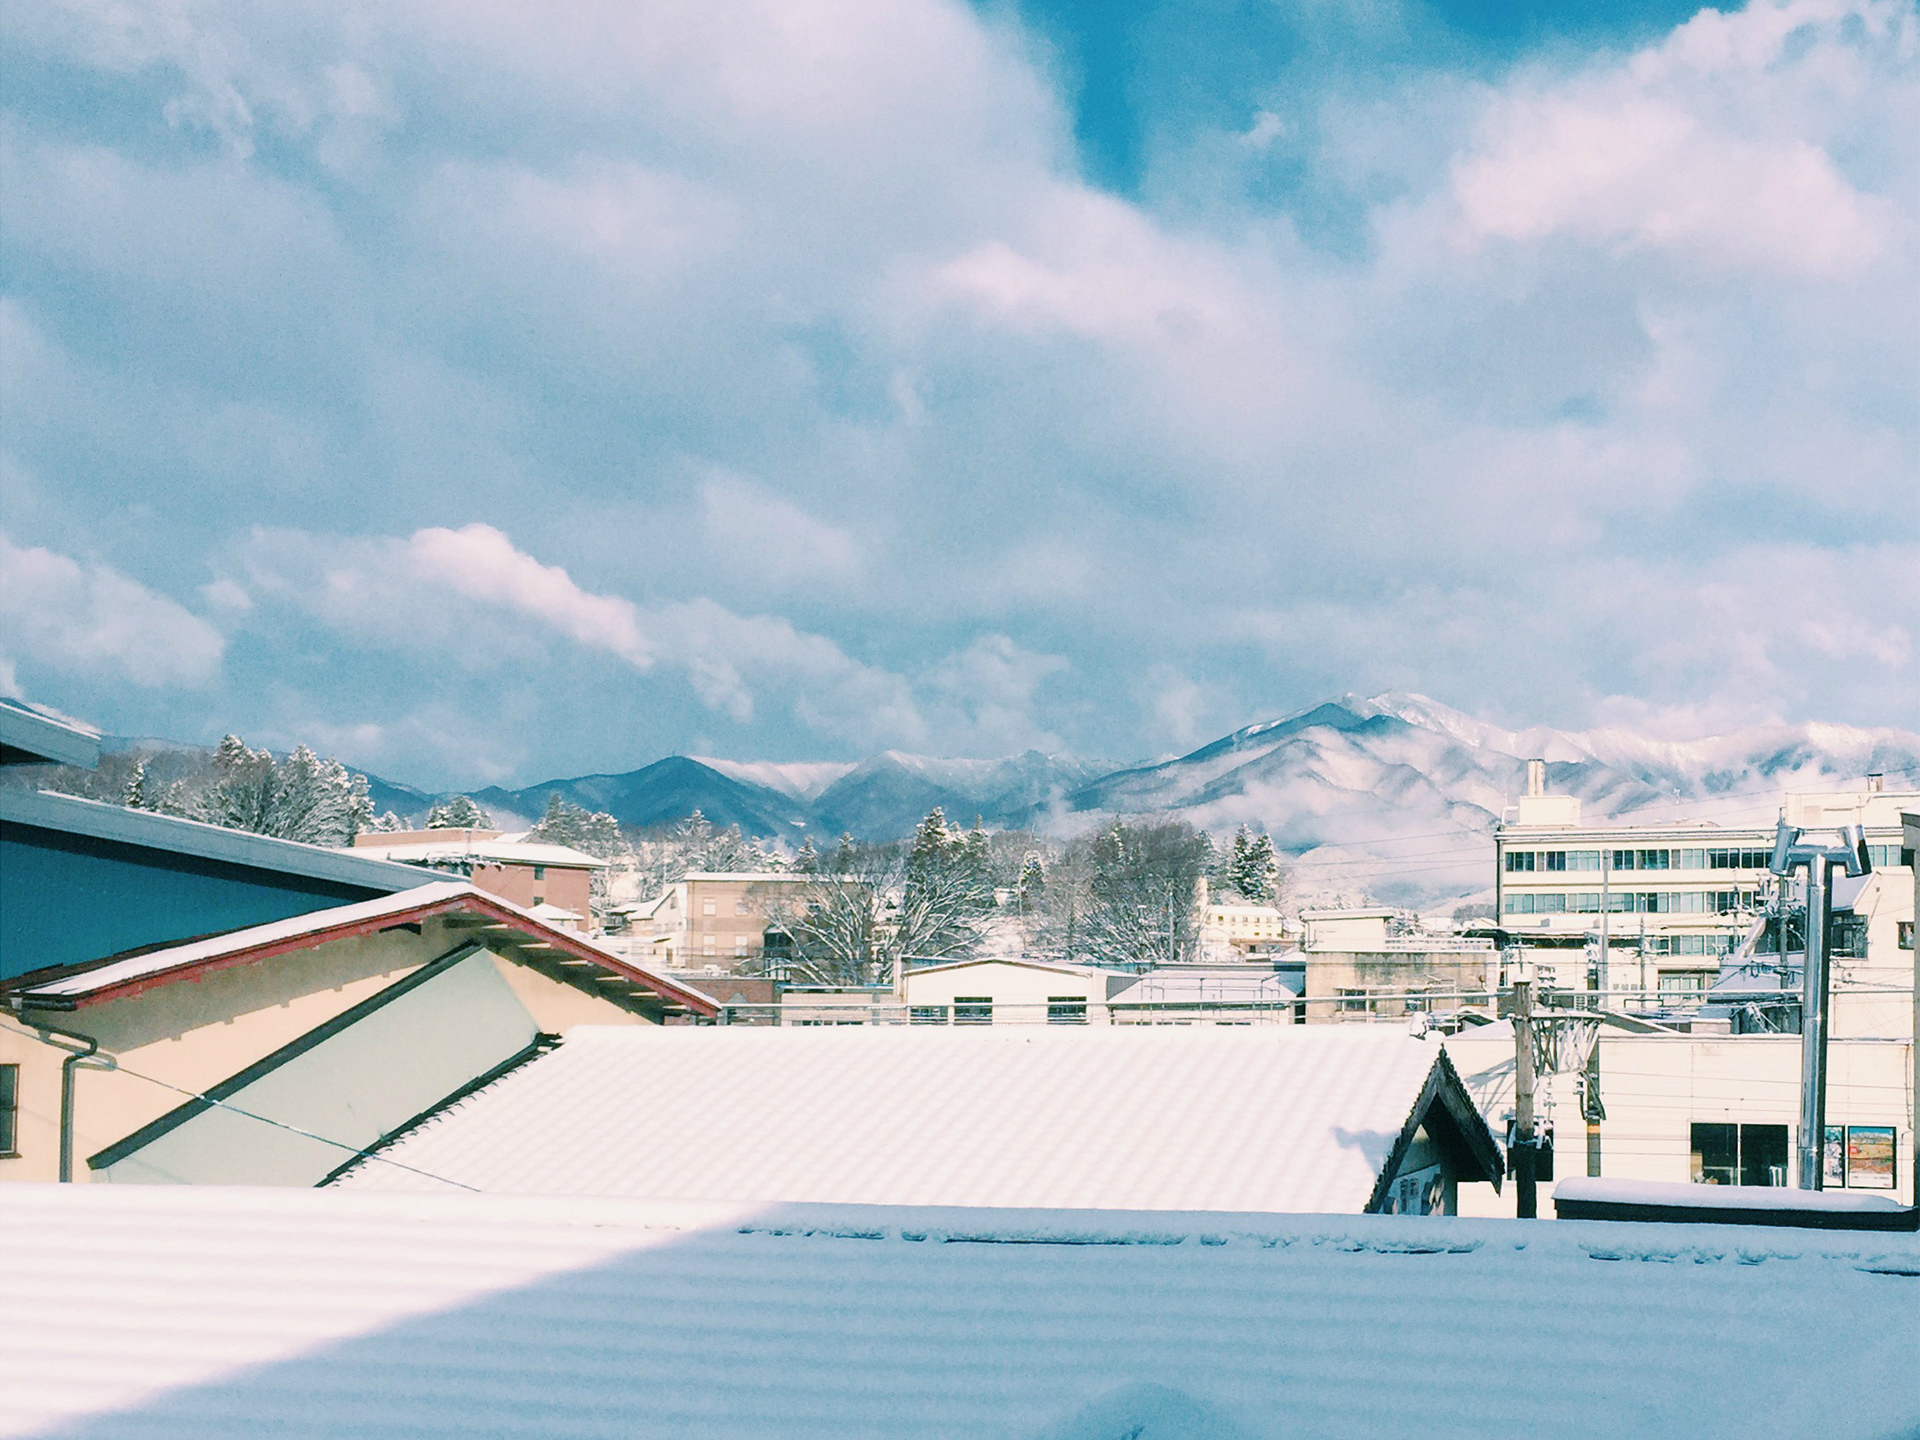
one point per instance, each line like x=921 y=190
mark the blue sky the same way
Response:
x=483 y=392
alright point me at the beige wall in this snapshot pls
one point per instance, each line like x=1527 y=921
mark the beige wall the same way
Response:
x=1655 y=1086
x=193 y=1034
x=1019 y=992
x=1448 y=975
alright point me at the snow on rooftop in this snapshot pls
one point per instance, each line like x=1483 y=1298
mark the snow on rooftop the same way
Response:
x=153 y=1313
x=1282 y=1119
x=509 y=850
x=173 y=957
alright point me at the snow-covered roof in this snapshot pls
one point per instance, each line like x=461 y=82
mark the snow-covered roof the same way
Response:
x=1134 y=1117
x=1018 y=964
x=33 y=734
x=155 y=1312
x=118 y=978
x=511 y=852
x=1249 y=986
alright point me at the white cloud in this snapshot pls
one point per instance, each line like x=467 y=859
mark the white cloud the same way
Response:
x=1699 y=147
x=760 y=535
x=92 y=620
x=937 y=396
x=481 y=563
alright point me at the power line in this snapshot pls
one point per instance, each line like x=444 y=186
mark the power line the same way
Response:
x=356 y=1150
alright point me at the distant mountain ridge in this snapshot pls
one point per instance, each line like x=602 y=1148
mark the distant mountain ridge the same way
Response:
x=1392 y=795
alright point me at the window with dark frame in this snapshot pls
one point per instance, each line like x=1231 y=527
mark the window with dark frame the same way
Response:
x=9 y=1110
x=973 y=1009
x=1066 y=1010
x=927 y=1015
x=1729 y=1154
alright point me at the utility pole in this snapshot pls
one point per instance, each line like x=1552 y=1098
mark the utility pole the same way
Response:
x=1526 y=1196
x=1790 y=852
x=1590 y=1107
x=1606 y=907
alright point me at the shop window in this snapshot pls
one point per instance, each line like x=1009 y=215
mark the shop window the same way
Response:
x=1726 y=1154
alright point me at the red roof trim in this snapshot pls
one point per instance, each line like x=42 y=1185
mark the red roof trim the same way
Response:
x=476 y=902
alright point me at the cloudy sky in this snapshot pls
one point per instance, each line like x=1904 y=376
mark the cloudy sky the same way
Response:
x=486 y=391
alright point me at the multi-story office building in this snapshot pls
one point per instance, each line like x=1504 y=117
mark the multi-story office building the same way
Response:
x=1649 y=911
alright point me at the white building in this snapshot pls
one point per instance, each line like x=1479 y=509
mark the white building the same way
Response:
x=1672 y=900
x=1714 y=1109
x=1011 y=992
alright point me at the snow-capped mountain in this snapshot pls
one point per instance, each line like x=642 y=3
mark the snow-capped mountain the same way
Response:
x=1396 y=795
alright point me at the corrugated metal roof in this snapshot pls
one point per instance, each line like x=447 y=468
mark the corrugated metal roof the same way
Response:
x=320 y=926
x=1293 y=1118
x=227 y=1314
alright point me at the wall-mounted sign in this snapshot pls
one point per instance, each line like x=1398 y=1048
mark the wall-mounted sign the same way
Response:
x=1870 y=1157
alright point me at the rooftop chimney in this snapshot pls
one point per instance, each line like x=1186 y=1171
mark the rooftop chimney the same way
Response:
x=1536 y=777
x=1876 y=783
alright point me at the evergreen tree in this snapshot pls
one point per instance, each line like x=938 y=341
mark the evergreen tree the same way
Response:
x=595 y=833
x=1031 y=888
x=459 y=812
x=807 y=861
x=1251 y=869
x=137 y=795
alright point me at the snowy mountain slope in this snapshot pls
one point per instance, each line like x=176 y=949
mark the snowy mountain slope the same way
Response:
x=1396 y=795
x=800 y=780
x=886 y=795
x=660 y=793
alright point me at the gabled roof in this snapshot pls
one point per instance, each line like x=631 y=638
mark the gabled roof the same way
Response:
x=169 y=1311
x=98 y=820
x=76 y=987
x=1128 y=1117
x=34 y=735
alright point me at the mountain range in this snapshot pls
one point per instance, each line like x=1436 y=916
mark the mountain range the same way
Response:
x=1392 y=796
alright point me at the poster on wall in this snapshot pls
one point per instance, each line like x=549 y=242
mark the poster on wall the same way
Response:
x=1833 y=1159
x=1870 y=1157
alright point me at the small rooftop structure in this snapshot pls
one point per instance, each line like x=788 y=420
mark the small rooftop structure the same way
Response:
x=152 y=1314
x=1108 y=1118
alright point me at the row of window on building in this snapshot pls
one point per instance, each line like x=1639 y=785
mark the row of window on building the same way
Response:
x=1857 y=1157
x=1629 y=902
x=978 y=1010
x=1884 y=857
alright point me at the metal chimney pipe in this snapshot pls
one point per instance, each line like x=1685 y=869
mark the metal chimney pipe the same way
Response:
x=1536 y=777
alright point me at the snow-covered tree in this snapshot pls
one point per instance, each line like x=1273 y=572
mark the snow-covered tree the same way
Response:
x=807 y=860
x=137 y=795
x=1031 y=888
x=387 y=823
x=459 y=812
x=596 y=833
x=1251 y=870
x=303 y=797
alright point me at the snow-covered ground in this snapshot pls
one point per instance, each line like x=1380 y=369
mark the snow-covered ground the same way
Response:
x=154 y=1313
